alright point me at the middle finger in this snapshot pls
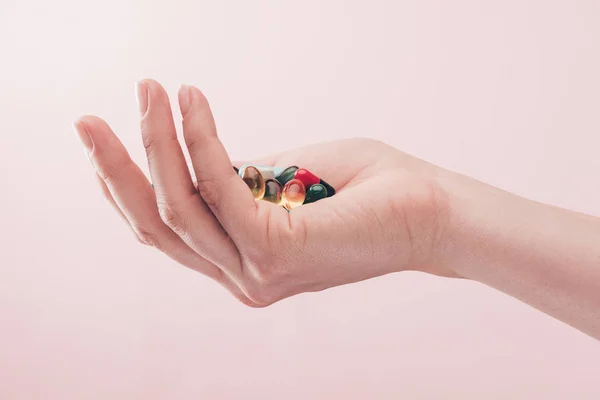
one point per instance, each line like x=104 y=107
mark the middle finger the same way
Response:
x=180 y=205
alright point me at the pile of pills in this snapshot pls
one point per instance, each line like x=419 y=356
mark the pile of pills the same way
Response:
x=289 y=187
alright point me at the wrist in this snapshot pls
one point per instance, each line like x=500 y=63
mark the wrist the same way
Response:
x=494 y=236
x=479 y=226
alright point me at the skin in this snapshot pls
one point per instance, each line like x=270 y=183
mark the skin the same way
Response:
x=433 y=220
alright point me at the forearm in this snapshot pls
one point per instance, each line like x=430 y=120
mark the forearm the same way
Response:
x=545 y=256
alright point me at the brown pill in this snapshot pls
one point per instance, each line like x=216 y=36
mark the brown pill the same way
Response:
x=273 y=190
x=255 y=182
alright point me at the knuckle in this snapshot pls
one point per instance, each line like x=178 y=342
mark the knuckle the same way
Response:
x=191 y=141
x=199 y=139
x=209 y=190
x=146 y=237
x=173 y=213
x=152 y=142
x=169 y=216
x=107 y=173
x=110 y=171
x=148 y=139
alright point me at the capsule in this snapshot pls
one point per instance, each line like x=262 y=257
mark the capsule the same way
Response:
x=273 y=191
x=268 y=172
x=286 y=175
x=330 y=189
x=307 y=177
x=255 y=182
x=293 y=194
x=314 y=193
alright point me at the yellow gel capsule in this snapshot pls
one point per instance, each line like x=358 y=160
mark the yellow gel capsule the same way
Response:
x=255 y=182
x=293 y=194
x=273 y=191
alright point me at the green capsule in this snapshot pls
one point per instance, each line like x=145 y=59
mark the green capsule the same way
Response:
x=273 y=191
x=286 y=175
x=315 y=192
x=330 y=189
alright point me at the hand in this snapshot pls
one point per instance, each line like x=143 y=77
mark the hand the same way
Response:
x=388 y=213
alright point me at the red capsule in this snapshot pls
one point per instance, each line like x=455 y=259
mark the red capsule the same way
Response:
x=306 y=177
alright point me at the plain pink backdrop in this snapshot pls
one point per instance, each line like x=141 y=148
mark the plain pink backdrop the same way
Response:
x=506 y=91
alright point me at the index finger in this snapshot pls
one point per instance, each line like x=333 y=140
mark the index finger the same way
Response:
x=221 y=188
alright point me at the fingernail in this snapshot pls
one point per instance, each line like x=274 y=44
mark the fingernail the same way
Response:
x=141 y=96
x=84 y=136
x=185 y=99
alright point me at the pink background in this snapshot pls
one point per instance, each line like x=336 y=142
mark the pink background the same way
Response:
x=506 y=91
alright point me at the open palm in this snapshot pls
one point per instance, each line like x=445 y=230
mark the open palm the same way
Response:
x=386 y=215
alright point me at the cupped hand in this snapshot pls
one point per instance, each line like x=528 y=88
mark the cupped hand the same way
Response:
x=388 y=213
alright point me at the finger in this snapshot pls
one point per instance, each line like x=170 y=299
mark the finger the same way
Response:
x=134 y=195
x=227 y=196
x=108 y=196
x=168 y=168
x=228 y=283
x=179 y=203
